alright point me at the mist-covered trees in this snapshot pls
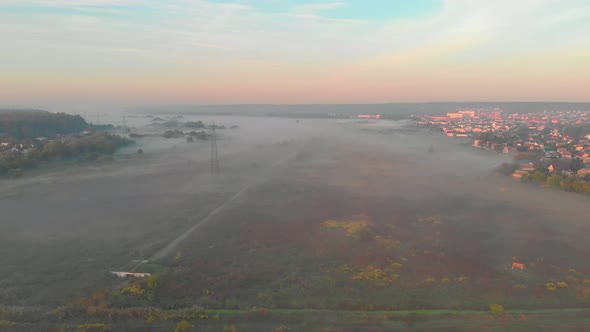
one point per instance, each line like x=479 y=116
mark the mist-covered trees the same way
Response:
x=13 y=164
x=569 y=183
x=536 y=176
x=30 y=136
x=202 y=135
x=22 y=124
x=98 y=142
x=554 y=180
x=195 y=124
x=173 y=134
x=507 y=168
x=89 y=147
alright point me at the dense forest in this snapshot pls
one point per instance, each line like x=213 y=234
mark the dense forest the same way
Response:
x=23 y=124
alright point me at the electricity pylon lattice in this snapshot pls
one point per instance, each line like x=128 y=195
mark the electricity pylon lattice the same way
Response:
x=214 y=154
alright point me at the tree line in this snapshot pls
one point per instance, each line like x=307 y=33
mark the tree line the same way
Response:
x=572 y=183
x=84 y=148
x=23 y=124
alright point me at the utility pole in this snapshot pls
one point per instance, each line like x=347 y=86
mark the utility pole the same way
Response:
x=214 y=155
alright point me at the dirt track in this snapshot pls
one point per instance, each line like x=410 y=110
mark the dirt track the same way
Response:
x=169 y=249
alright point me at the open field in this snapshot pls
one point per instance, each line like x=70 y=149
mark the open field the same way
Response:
x=348 y=321
x=325 y=226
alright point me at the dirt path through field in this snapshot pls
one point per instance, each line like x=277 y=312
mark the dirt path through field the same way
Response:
x=169 y=249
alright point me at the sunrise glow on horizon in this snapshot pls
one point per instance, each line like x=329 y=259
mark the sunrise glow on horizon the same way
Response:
x=287 y=51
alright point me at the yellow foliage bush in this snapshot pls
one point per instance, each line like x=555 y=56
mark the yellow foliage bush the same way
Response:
x=183 y=326
x=550 y=286
x=373 y=273
x=230 y=328
x=395 y=266
x=356 y=226
x=133 y=289
x=153 y=282
x=461 y=279
x=497 y=308
x=178 y=256
x=562 y=284
x=151 y=318
x=432 y=220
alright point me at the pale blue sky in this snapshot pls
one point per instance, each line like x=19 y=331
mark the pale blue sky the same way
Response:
x=372 y=10
x=376 y=10
x=234 y=51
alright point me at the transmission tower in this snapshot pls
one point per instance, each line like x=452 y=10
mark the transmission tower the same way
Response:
x=214 y=155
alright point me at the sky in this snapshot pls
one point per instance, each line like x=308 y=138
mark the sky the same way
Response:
x=286 y=51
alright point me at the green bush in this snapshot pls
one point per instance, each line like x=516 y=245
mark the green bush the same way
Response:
x=554 y=180
x=538 y=176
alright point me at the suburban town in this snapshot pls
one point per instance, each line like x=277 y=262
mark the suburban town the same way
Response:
x=552 y=147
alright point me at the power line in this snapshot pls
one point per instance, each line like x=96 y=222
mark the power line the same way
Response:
x=214 y=154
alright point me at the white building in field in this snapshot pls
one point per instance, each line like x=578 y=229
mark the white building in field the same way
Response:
x=130 y=274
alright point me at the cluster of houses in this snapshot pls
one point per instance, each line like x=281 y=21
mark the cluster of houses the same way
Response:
x=544 y=133
x=24 y=146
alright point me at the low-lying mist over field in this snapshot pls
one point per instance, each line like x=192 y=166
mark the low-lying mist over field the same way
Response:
x=323 y=214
